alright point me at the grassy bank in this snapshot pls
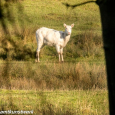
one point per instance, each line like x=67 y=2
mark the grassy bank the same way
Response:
x=56 y=102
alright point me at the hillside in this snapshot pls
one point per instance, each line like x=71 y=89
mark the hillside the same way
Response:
x=25 y=17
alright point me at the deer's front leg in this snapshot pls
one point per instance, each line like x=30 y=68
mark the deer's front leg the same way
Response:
x=62 y=54
x=58 y=51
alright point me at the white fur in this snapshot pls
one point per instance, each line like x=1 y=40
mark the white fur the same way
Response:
x=51 y=37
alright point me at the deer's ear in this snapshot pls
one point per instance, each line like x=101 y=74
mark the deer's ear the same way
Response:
x=64 y=25
x=72 y=25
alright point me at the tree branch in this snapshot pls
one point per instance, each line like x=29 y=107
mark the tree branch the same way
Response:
x=76 y=5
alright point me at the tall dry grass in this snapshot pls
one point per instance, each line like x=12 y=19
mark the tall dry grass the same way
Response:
x=52 y=76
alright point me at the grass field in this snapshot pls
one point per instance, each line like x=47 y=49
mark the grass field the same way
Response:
x=56 y=102
x=77 y=86
x=51 y=88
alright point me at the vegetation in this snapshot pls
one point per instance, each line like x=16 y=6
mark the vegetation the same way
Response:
x=56 y=102
x=55 y=88
x=85 y=41
x=55 y=76
x=77 y=86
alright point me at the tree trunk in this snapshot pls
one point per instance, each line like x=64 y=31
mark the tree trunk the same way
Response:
x=107 y=11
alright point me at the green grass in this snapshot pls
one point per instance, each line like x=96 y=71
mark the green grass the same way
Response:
x=35 y=14
x=45 y=13
x=77 y=86
x=27 y=16
x=76 y=102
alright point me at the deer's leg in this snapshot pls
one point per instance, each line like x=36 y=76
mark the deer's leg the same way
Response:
x=62 y=54
x=59 y=56
x=38 y=52
x=58 y=51
x=37 y=56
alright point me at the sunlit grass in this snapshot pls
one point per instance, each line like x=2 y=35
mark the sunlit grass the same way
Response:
x=54 y=75
x=58 y=102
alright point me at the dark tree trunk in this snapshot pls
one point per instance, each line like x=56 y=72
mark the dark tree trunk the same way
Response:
x=107 y=11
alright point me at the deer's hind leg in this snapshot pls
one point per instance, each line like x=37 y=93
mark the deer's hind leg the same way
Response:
x=39 y=46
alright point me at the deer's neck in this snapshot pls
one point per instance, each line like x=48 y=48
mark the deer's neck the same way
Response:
x=66 y=38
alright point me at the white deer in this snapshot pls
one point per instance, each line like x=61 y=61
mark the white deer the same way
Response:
x=51 y=37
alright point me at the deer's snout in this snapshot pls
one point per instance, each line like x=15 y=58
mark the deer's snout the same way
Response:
x=69 y=33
